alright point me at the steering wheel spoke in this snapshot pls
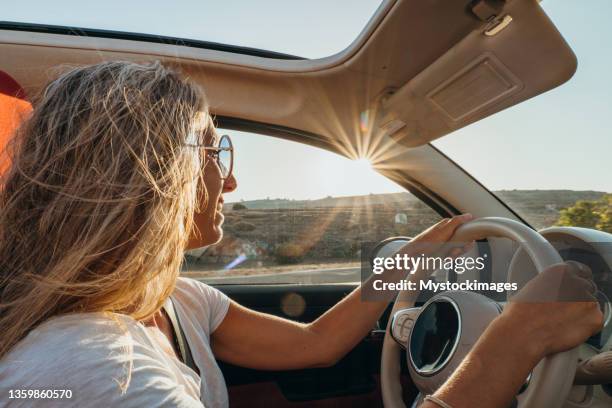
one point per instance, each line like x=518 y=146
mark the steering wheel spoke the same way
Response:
x=401 y=325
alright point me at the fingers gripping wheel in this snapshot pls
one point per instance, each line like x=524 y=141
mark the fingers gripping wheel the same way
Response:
x=551 y=379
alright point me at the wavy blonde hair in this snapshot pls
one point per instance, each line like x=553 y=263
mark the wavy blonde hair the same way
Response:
x=97 y=207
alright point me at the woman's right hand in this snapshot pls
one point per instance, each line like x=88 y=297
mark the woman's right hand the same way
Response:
x=555 y=311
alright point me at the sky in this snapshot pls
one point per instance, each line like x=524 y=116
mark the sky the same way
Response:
x=563 y=138
x=311 y=29
x=558 y=140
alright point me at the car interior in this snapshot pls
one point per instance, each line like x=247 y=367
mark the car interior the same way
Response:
x=418 y=71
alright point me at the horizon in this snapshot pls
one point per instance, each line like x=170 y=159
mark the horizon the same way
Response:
x=409 y=193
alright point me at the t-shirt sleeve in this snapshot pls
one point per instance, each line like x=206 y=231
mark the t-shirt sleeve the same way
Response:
x=208 y=301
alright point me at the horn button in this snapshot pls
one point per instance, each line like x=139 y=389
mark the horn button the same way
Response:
x=446 y=328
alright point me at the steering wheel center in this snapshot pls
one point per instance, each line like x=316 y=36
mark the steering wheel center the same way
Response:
x=444 y=331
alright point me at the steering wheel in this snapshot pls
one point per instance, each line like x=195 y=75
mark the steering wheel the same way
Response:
x=550 y=381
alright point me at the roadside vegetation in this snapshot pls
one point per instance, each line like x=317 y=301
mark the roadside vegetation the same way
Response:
x=269 y=235
x=589 y=214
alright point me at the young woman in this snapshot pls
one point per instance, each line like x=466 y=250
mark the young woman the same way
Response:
x=119 y=170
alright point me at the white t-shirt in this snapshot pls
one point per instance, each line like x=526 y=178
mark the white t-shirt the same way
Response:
x=90 y=354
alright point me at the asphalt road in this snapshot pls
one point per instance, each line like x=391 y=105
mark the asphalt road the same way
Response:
x=312 y=276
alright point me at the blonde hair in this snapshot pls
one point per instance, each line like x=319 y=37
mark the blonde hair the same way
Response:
x=97 y=207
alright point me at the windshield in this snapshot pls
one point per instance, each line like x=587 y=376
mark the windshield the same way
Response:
x=297 y=218
x=549 y=157
x=301 y=214
x=309 y=29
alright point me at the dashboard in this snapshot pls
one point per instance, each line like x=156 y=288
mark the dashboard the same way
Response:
x=594 y=249
x=590 y=247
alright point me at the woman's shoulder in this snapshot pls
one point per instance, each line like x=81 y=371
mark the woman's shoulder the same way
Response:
x=74 y=342
x=204 y=305
x=96 y=356
x=85 y=332
x=195 y=287
x=196 y=295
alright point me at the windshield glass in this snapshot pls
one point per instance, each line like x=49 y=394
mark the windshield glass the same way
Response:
x=301 y=214
x=309 y=29
x=549 y=157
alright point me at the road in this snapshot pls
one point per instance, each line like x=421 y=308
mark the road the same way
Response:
x=308 y=276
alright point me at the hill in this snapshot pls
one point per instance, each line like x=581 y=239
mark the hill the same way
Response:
x=527 y=202
x=334 y=228
x=347 y=201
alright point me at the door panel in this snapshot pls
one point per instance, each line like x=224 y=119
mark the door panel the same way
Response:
x=353 y=381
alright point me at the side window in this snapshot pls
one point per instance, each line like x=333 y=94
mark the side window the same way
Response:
x=300 y=215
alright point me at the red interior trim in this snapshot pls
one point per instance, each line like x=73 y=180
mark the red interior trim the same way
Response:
x=10 y=87
x=14 y=107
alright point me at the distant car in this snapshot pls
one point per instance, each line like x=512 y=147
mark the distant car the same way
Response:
x=418 y=71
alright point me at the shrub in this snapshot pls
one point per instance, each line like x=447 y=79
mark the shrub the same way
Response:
x=339 y=252
x=238 y=207
x=254 y=215
x=244 y=227
x=589 y=214
x=282 y=236
x=289 y=254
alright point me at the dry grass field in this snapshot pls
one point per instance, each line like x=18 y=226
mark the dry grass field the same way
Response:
x=275 y=235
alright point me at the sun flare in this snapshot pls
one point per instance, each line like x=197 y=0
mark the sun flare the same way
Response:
x=362 y=164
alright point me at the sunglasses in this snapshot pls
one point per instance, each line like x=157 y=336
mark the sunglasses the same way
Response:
x=223 y=154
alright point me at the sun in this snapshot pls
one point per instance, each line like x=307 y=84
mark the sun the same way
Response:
x=362 y=164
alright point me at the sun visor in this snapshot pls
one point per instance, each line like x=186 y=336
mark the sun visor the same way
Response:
x=515 y=56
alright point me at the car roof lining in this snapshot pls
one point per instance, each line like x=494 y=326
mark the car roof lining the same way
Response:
x=157 y=39
x=389 y=74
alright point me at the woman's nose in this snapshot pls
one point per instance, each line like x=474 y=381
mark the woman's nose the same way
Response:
x=230 y=184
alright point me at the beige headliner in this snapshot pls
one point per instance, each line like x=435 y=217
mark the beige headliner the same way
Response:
x=416 y=63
